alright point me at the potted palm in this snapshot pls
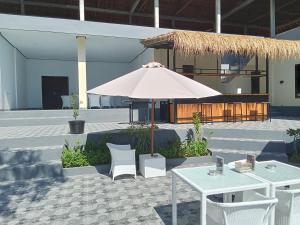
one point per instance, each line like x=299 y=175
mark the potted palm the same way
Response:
x=76 y=126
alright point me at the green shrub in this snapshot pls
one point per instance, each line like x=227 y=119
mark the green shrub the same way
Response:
x=193 y=148
x=85 y=155
x=75 y=106
x=295 y=133
x=171 y=150
x=74 y=157
x=294 y=157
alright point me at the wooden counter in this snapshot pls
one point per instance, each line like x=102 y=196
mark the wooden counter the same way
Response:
x=223 y=108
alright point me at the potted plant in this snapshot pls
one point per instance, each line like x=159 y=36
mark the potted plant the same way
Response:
x=76 y=126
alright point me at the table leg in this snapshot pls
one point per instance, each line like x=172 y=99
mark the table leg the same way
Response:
x=174 y=200
x=272 y=213
x=203 y=209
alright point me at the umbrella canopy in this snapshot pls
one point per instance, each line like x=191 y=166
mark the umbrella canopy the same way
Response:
x=154 y=81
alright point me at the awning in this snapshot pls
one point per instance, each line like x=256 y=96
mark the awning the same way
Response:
x=199 y=43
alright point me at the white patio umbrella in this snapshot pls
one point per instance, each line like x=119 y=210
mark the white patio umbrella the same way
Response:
x=154 y=81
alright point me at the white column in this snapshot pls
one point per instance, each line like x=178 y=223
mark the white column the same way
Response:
x=81 y=10
x=22 y=7
x=272 y=19
x=218 y=16
x=156 y=13
x=81 y=52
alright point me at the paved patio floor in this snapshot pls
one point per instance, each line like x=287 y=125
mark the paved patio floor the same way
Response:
x=55 y=130
x=95 y=199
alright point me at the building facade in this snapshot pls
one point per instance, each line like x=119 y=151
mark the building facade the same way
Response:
x=41 y=57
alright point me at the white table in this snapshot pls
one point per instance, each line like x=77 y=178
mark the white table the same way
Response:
x=281 y=176
x=198 y=178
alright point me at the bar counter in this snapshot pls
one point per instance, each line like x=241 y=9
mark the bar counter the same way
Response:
x=221 y=108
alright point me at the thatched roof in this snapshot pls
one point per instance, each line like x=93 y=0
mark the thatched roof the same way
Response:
x=195 y=43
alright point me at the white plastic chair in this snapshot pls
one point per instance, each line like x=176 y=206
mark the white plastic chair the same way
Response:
x=288 y=209
x=94 y=101
x=255 y=210
x=105 y=101
x=122 y=160
x=66 y=102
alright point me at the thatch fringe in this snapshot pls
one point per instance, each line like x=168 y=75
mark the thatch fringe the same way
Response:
x=197 y=43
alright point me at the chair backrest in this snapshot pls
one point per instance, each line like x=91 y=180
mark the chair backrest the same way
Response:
x=289 y=201
x=66 y=101
x=246 y=213
x=105 y=101
x=121 y=153
x=94 y=100
x=122 y=156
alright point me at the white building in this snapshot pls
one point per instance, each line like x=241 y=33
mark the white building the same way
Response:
x=75 y=52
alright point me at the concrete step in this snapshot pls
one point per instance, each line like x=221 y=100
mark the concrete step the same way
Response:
x=12 y=172
x=30 y=155
x=246 y=134
x=253 y=145
x=54 y=117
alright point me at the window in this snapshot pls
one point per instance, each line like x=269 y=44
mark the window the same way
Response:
x=297 y=81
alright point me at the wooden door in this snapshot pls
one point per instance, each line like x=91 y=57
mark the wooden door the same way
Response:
x=52 y=90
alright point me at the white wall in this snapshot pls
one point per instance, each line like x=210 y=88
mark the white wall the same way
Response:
x=97 y=74
x=12 y=68
x=284 y=94
x=142 y=59
x=35 y=69
x=101 y=72
x=284 y=70
x=20 y=81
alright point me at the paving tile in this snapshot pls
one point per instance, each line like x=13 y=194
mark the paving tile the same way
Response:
x=74 y=200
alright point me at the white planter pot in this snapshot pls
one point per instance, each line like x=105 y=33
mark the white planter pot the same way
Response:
x=152 y=166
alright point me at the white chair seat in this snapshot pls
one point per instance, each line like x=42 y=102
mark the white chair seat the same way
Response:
x=122 y=160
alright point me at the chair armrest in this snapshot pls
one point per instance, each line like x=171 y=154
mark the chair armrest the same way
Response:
x=215 y=212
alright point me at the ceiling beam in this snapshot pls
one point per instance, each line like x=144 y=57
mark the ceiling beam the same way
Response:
x=237 y=8
x=186 y=4
x=127 y=13
x=98 y=3
x=291 y=13
x=276 y=10
x=133 y=7
x=144 y=3
x=22 y=7
x=284 y=27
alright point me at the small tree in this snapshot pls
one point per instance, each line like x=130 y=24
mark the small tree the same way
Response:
x=295 y=133
x=197 y=126
x=75 y=106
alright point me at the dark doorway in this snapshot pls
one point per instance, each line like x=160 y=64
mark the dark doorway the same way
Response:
x=255 y=85
x=52 y=89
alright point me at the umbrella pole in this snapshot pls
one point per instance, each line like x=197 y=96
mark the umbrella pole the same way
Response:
x=152 y=127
